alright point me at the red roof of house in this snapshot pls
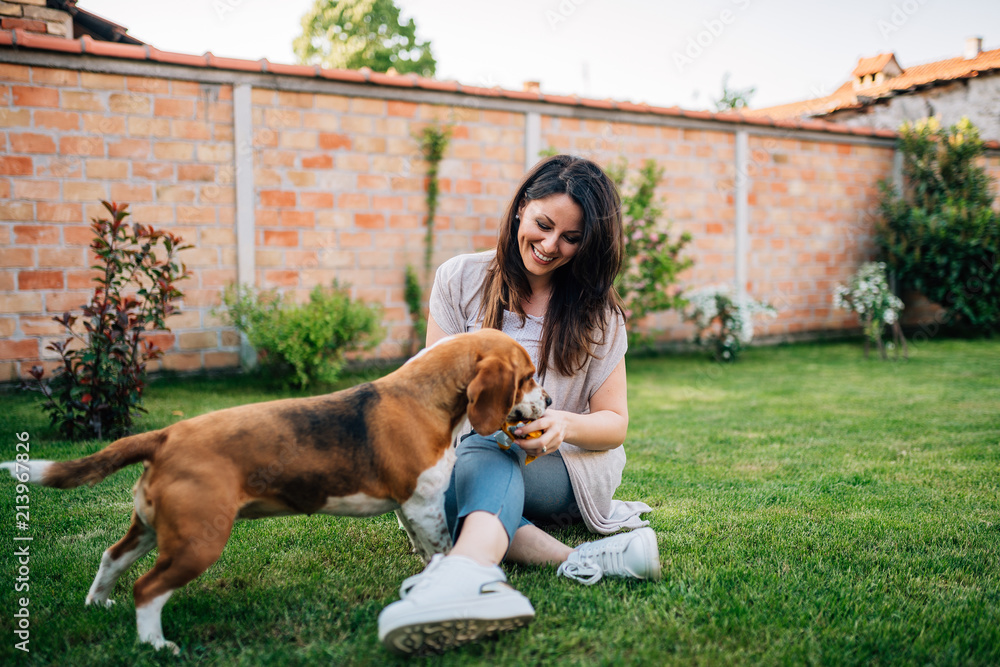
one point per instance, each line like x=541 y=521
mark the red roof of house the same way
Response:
x=912 y=78
x=19 y=39
x=872 y=65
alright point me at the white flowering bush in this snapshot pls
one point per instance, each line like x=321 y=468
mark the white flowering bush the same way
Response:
x=870 y=297
x=724 y=322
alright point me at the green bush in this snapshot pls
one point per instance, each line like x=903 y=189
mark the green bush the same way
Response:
x=940 y=236
x=306 y=340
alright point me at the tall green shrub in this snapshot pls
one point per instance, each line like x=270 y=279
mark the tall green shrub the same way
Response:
x=652 y=259
x=940 y=235
x=307 y=340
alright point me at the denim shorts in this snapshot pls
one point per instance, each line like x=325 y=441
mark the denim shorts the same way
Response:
x=488 y=478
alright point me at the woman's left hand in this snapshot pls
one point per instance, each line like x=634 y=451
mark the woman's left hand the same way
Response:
x=553 y=425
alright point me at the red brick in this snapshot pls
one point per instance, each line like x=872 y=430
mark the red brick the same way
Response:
x=59 y=257
x=57 y=120
x=352 y=200
x=383 y=202
x=298 y=218
x=173 y=108
x=24 y=189
x=81 y=101
x=29 y=142
x=333 y=141
x=147 y=85
x=154 y=171
x=84 y=191
x=130 y=148
x=81 y=236
x=40 y=280
x=372 y=182
x=14 y=117
x=15 y=166
x=404 y=221
x=407 y=109
x=15 y=72
x=277 y=198
x=290 y=99
x=112 y=169
x=281 y=238
x=369 y=220
x=16 y=257
x=359 y=240
x=281 y=278
x=317 y=199
x=175 y=194
x=81 y=146
x=91 y=80
x=196 y=215
x=130 y=104
x=36 y=235
x=126 y=192
x=97 y=124
x=28 y=25
x=187 y=129
x=196 y=172
x=190 y=361
x=317 y=162
x=41 y=326
x=19 y=349
x=58 y=212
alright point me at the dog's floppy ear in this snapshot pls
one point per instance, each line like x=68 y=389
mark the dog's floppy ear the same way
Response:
x=491 y=395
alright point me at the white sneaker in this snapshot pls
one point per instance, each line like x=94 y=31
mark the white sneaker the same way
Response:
x=633 y=554
x=453 y=601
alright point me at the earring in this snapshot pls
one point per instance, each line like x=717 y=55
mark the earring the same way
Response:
x=517 y=216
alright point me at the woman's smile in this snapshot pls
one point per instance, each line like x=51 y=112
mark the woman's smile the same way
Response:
x=549 y=234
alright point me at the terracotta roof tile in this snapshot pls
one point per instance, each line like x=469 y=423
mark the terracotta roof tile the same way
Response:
x=872 y=65
x=20 y=39
x=231 y=63
x=848 y=97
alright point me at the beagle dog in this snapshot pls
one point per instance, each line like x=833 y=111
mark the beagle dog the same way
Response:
x=380 y=446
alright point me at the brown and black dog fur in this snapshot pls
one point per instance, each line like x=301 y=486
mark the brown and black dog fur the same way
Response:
x=380 y=446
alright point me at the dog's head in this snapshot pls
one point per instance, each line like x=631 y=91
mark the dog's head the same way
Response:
x=503 y=388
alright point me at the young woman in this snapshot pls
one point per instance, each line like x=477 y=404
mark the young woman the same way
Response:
x=550 y=285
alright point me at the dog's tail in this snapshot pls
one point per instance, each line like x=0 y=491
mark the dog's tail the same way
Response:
x=90 y=469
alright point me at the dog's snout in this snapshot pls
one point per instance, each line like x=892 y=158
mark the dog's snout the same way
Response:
x=548 y=399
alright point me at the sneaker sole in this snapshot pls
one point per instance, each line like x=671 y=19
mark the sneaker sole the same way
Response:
x=438 y=636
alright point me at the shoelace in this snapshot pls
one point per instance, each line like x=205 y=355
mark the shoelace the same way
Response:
x=586 y=572
x=610 y=558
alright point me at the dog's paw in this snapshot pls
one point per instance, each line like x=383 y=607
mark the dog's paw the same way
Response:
x=93 y=601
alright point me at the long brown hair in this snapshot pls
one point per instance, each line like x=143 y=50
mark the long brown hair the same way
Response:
x=583 y=290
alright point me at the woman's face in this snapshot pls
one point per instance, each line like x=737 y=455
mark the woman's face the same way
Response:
x=549 y=234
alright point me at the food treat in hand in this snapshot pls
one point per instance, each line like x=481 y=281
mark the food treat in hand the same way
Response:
x=505 y=438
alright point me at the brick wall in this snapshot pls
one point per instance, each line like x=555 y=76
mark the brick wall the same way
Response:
x=338 y=192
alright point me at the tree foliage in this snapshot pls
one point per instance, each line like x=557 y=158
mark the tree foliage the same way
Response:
x=941 y=235
x=351 y=34
x=653 y=260
x=733 y=99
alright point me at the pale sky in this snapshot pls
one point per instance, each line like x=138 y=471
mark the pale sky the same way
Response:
x=664 y=52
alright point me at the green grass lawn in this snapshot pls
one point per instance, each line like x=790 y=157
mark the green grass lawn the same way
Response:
x=812 y=507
